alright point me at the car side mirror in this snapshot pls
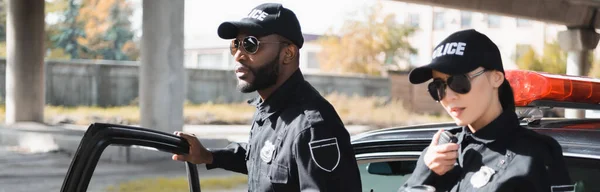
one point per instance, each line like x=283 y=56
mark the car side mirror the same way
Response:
x=391 y=168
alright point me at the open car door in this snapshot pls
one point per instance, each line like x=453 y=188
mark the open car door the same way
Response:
x=99 y=136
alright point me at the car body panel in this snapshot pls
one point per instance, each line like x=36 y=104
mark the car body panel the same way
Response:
x=576 y=140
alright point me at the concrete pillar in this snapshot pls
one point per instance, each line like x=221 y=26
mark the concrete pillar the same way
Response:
x=25 y=92
x=162 y=74
x=578 y=43
x=577 y=65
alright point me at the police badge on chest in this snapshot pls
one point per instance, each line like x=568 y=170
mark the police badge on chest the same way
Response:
x=266 y=153
x=482 y=177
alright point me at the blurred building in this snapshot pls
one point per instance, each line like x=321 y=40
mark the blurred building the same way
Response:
x=213 y=53
x=512 y=35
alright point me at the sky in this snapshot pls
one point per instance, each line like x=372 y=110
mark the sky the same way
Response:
x=315 y=16
x=202 y=17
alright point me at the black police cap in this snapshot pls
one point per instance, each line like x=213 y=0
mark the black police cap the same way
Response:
x=460 y=53
x=265 y=19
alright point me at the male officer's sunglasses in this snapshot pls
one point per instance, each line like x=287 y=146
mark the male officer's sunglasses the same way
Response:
x=460 y=84
x=249 y=44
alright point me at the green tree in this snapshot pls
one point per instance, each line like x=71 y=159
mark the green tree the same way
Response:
x=91 y=29
x=553 y=60
x=69 y=31
x=2 y=21
x=119 y=33
x=109 y=29
x=55 y=9
x=366 y=45
x=3 y=11
x=595 y=68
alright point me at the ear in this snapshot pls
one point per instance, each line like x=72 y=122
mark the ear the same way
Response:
x=497 y=78
x=289 y=53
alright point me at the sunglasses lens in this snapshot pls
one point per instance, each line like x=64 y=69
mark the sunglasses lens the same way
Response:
x=459 y=84
x=250 y=44
x=234 y=46
x=437 y=90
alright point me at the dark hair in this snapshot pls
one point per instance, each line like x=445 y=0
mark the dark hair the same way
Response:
x=506 y=96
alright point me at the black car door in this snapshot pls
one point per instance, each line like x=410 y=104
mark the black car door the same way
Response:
x=99 y=136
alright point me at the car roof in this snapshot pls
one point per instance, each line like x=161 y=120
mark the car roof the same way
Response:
x=578 y=137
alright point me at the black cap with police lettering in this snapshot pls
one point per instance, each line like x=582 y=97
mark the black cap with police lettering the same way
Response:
x=265 y=19
x=460 y=53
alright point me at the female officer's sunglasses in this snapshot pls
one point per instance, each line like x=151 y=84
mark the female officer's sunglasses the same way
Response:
x=249 y=44
x=460 y=84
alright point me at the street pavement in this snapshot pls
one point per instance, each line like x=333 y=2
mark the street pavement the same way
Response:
x=22 y=172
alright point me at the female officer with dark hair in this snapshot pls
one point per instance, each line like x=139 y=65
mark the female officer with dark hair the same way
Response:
x=492 y=151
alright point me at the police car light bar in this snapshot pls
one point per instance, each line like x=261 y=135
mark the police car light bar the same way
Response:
x=537 y=88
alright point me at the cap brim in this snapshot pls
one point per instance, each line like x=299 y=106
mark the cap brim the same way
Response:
x=424 y=73
x=420 y=75
x=230 y=29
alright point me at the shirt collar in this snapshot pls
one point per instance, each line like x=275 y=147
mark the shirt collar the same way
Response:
x=504 y=125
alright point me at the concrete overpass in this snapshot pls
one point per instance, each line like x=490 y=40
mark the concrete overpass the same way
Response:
x=571 y=13
x=581 y=18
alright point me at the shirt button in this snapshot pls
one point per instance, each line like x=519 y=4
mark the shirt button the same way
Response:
x=502 y=162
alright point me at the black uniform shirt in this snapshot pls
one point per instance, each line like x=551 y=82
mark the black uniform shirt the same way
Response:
x=502 y=156
x=297 y=143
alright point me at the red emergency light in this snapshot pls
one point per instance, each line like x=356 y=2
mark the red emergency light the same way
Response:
x=529 y=86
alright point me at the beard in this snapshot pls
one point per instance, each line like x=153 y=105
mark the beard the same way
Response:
x=264 y=77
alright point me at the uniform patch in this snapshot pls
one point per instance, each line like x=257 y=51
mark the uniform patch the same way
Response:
x=325 y=153
x=266 y=153
x=482 y=177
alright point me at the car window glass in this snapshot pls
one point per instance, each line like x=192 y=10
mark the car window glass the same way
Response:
x=386 y=175
x=584 y=171
x=149 y=168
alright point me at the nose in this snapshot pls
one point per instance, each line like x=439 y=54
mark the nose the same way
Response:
x=239 y=56
x=450 y=95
